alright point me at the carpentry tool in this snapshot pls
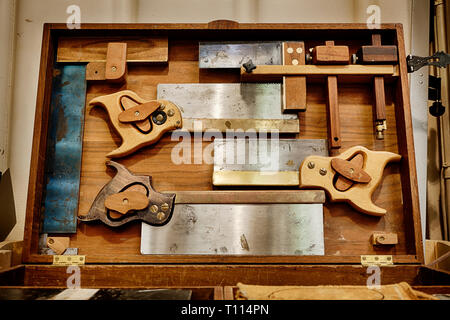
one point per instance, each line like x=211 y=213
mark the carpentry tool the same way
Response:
x=223 y=106
x=63 y=154
x=352 y=176
x=138 y=122
x=261 y=162
x=235 y=54
x=331 y=54
x=376 y=54
x=213 y=222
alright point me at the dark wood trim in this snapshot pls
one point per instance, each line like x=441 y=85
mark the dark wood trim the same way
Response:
x=163 y=276
x=202 y=259
x=405 y=142
x=37 y=164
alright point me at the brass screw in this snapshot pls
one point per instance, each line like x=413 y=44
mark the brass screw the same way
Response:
x=323 y=171
x=311 y=165
x=162 y=107
x=159 y=117
x=164 y=207
x=51 y=241
x=160 y=215
x=154 y=208
x=136 y=113
x=114 y=69
x=170 y=113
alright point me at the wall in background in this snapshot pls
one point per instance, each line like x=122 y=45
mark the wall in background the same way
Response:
x=31 y=14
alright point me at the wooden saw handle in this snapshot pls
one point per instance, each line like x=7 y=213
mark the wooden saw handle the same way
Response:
x=168 y=118
x=318 y=172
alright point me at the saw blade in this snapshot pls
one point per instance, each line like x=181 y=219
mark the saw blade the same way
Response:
x=262 y=162
x=227 y=106
x=238 y=229
x=226 y=100
x=234 y=54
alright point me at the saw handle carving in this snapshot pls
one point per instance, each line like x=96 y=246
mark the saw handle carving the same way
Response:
x=138 y=122
x=359 y=181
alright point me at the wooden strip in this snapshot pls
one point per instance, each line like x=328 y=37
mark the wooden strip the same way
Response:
x=222 y=125
x=378 y=84
x=294 y=87
x=274 y=72
x=94 y=49
x=255 y=178
x=249 y=197
x=405 y=141
x=116 y=62
x=121 y=276
x=333 y=122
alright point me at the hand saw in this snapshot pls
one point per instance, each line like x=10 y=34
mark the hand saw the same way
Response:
x=194 y=107
x=352 y=176
x=212 y=222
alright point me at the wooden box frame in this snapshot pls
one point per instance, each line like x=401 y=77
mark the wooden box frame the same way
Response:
x=190 y=270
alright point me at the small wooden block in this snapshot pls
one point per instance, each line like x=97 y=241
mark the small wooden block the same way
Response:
x=95 y=71
x=5 y=259
x=331 y=54
x=384 y=238
x=378 y=54
x=294 y=87
x=116 y=62
x=58 y=244
x=124 y=202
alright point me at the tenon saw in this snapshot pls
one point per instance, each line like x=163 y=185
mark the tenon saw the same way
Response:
x=213 y=222
x=195 y=107
x=351 y=176
x=262 y=162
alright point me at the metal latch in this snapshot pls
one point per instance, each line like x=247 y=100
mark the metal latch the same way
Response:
x=376 y=260
x=439 y=59
x=64 y=260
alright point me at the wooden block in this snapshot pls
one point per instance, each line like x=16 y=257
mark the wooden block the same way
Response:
x=5 y=259
x=58 y=244
x=95 y=71
x=116 y=62
x=377 y=53
x=331 y=54
x=333 y=122
x=294 y=87
x=384 y=238
x=94 y=49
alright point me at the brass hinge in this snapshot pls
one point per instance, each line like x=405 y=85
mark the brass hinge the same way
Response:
x=65 y=260
x=376 y=260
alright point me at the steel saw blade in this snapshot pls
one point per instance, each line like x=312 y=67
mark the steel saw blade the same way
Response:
x=225 y=106
x=238 y=229
x=262 y=162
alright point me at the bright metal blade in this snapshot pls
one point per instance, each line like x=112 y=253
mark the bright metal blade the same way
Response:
x=226 y=100
x=239 y=229
x=234 y=54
